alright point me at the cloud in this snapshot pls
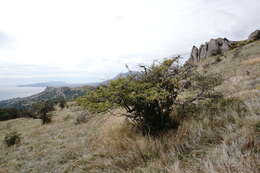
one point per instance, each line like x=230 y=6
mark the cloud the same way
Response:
x=93 y=40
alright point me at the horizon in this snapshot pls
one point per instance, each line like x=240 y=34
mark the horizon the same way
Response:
x=88 y=42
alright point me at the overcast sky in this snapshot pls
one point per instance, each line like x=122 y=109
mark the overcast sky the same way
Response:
x=92 y=40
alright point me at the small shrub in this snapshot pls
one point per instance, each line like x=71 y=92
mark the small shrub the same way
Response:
x=46 y=118
x=43 y=109
x=150 y=96
x=12 y=138
x=62 y=103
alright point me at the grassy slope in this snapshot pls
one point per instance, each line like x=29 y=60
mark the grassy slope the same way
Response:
x=227 y=141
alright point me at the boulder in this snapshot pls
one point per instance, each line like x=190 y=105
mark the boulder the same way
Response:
x=254 y=36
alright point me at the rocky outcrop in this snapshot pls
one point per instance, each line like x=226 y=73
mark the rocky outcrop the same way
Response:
x=211 y=48
x=217 y=46
x=254 y=36
x=194 y=54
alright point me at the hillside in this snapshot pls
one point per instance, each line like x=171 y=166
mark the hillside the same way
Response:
x=224 y=140
x=48 y=94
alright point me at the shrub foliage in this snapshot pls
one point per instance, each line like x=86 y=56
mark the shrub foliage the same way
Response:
x=42 y=111
x=12 y=138
x=150 y=96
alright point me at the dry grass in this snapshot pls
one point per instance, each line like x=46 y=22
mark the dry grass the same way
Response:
x=251 y=61
x=225 y=141
x=222 y=142
x=48 y=148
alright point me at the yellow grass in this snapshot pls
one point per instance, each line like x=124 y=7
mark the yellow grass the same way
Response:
x=107 y=143
x=251 y=61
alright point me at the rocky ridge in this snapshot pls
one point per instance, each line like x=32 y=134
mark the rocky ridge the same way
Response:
x=217 y=46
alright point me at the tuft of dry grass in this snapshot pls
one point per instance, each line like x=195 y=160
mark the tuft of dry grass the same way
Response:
x=194 y=147
x=220 y=141
x=251 y=61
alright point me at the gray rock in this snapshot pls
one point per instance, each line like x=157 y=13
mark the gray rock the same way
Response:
x=225 y=45
x=212 y=48
x=216 y=46
x=254 y=36
x=203 y=51
x=194 y=54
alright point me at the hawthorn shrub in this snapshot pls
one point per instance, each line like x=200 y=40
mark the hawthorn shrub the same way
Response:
x=62 y=103
x=12 y=138
x=42 y=111
x=151 y=95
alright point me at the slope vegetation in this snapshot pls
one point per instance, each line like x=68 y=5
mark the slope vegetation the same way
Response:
x=221 y=137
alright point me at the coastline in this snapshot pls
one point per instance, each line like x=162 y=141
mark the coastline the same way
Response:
x=11 y=92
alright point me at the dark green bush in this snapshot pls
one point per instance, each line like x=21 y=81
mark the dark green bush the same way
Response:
x=9 y=113
x=46 y=118
x=12 y=138
x=42 y=110
x=62 y=103
x=150 y=96
x=12 y=113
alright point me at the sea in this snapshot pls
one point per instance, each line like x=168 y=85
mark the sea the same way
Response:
x=9 y=92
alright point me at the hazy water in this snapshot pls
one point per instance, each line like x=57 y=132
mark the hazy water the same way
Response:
x=8 y=92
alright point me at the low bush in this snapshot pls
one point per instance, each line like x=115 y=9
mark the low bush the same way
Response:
x=12 y=138
x=42 y=110
x=46 y=118
x=61 y=102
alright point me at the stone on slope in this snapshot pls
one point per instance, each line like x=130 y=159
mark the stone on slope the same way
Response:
x=254 y=35
x=194 y=54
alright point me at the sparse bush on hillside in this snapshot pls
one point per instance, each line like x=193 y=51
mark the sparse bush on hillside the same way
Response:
x=149 y=97
x=7 y=114
x=43 y=109
x=62 y=103
x=12 y=138
x=12 y=113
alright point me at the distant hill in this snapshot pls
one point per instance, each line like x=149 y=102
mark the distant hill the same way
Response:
x=48 y=94
x=47 y=84
x=54 y=90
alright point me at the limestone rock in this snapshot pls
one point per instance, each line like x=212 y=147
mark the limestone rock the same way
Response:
x=194 y=54
x=203 y=51
x=212 y=48
x=254 y=36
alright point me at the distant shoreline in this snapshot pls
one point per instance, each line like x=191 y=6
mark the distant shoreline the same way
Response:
x=12 y=92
